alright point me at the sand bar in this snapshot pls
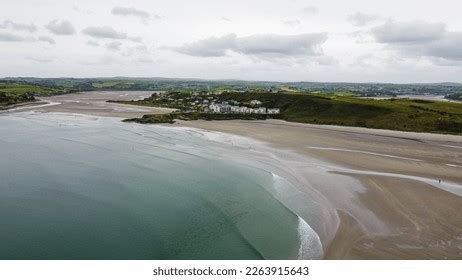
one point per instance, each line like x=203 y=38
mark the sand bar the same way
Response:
x=94 y=103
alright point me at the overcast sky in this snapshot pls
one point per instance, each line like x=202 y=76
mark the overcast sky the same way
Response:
x=281 y=40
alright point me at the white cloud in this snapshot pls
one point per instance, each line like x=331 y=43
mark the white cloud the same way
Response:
x=145 y=16
x=107 y=32
x=261 y=45
x=408 y=32
x=114 y=46
x=419 y=38
x=8 y=24
x=63 y=27
x=92 y=43
x=47 y=39
x=129 y=11
x=9 y=37
x=361 y=19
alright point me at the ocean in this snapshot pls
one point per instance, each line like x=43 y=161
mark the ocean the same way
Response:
x=83 y=187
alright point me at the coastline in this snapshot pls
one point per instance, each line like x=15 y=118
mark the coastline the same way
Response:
x=241 y=190
x=371 y=186
x=388 y=180
x=12 y=107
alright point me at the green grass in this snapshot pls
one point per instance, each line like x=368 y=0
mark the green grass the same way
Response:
x=14 y=93
x=18 y=89
x=342 y=109
x=396 y=114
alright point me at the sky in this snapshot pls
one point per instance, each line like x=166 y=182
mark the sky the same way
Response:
x=393 y=41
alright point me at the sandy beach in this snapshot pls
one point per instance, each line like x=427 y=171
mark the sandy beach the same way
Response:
x=379 y=194
x=409 y=207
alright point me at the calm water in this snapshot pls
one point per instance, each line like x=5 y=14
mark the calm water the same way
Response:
x=74 y=187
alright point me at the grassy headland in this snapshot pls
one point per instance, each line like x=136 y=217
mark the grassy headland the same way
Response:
x=393 y=114
x=12 y=93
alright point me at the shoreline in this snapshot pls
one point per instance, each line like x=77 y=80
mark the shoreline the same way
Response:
x=373 y=219
x=24 y=105
x=385 y=229
x=306 y=245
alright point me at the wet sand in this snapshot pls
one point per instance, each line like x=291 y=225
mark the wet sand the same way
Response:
x=403 y=211
x=94 y=103
x=380 y=194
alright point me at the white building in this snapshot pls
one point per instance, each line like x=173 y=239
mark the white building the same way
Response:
x=255 y=102
x=273 y=111
x=220 y=108
x=261 y=110
x=225 y=108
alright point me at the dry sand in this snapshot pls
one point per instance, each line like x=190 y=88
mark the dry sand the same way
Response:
x=404 y=211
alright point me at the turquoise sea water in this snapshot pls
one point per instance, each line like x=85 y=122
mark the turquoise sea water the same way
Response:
x=75 y=187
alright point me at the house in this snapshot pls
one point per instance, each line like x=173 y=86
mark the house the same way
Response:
x=220 y=108
x=225 y=108
x=273 y=111
x=261 y=110
x=255 y=102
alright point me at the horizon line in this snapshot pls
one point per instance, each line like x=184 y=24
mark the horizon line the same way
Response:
x=230 y=79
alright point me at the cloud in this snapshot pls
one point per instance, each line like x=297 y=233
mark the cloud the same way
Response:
x=210 y=47
x=302 y=44
x=311 y=10
x=408 y=32
x=63 y=27
x=107 y=32
x=361 y=19
x=262 y=45
x=446 y=48
x=418 y=38
x=104 y=32
x=8 y=37
x=114 y=46
x=47 y=39
x=92 y=43
x=124 y=11
x=18 y=26
x=130 y=11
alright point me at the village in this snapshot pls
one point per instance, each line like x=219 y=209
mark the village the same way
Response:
x=224 y=107
x=207 y=102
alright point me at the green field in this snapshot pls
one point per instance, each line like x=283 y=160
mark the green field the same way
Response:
x=395 y=114
x=14 y=93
